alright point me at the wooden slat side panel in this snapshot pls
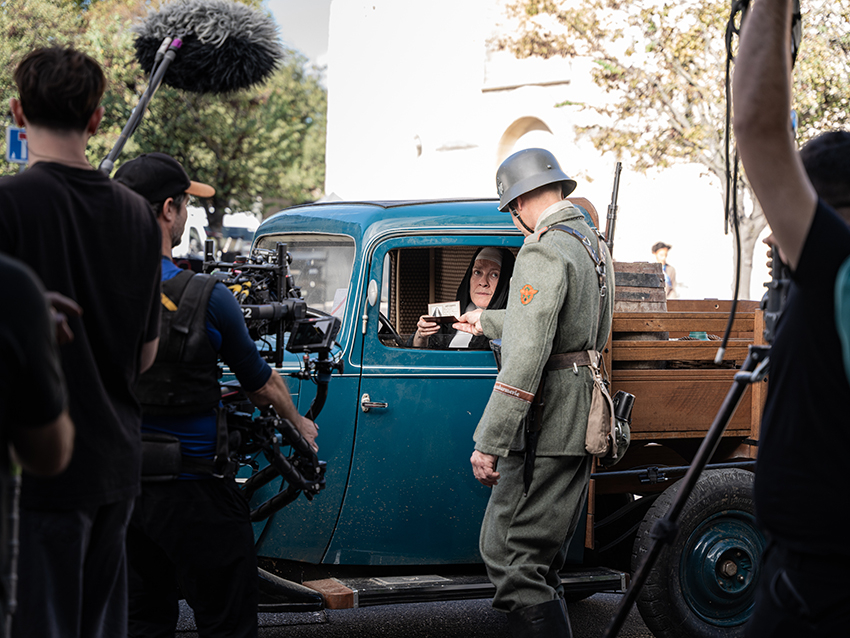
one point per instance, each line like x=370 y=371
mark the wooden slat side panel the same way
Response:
x=681 y=404
x=678 y=350
x=680 y=322
x=759 y=389
x=710 y=305
x=635 y=293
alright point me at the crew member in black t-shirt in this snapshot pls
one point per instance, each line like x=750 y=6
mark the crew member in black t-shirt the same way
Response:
x=96 y=242
x=33 y=409
x=802 y=475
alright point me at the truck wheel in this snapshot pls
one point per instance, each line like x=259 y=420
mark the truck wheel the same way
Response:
x=703 y=585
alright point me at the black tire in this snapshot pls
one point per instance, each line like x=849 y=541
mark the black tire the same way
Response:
x=703 y=585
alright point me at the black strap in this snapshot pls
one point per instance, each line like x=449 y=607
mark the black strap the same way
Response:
x=600 y=270
x=190 y=302
x=186 y=290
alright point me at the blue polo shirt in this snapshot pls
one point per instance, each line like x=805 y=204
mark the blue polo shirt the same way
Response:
x=229 y=337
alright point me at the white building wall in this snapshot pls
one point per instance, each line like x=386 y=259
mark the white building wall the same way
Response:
x=419 y=106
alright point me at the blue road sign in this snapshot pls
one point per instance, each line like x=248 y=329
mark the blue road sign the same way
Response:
x=16 y=145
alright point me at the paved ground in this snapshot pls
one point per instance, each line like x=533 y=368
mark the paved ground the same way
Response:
x=462 y=619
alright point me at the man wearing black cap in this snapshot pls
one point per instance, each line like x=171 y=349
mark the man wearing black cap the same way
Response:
x=194 y=530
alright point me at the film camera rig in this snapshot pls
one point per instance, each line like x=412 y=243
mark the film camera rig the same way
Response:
x=272 y=307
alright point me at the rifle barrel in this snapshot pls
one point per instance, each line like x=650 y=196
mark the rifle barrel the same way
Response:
x=612 y=209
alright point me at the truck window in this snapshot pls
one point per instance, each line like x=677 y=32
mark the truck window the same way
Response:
x=416 y=277
x=321 y=266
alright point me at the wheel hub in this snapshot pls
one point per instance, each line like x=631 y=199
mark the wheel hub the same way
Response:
x=718 y=567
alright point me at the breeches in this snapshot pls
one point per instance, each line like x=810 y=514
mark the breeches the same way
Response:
x=524 y=539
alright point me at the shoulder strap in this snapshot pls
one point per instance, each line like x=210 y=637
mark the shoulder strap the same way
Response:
x=190 y=302
x=600 y=268
x=189 y=292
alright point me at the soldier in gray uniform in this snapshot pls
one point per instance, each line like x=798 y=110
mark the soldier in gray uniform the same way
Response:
x=557 y=304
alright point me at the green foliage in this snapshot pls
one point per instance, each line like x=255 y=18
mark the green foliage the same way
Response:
x=663 y=65
x=263 y=145
x=25 y=25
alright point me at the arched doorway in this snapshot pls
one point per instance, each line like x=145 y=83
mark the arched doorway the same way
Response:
x=526 y=132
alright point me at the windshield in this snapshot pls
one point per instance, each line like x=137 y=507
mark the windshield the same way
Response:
x=321 y=267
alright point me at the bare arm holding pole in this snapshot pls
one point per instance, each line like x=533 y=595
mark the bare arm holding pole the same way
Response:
x=762 y=106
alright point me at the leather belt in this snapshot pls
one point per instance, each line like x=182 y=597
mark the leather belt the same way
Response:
x=567 y=360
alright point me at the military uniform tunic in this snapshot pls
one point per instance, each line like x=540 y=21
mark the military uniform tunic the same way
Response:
x=553 y=307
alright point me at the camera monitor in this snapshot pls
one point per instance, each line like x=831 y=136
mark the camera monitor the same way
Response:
x=313 y=335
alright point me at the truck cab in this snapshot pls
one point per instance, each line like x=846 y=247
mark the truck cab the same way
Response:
x=400 y=515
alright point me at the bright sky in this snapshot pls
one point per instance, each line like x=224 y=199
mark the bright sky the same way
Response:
x=303 y=25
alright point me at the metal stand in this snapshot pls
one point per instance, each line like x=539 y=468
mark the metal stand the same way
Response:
x=665 y=529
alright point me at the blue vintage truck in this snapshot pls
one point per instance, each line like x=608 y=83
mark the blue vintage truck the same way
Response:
x=399 y=518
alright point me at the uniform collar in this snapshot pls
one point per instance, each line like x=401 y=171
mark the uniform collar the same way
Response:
x=556 y=213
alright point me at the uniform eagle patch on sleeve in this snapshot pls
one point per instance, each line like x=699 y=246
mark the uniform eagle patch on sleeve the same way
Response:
x=526 y=294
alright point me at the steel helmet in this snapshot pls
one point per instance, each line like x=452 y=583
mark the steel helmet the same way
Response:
x=526 y=170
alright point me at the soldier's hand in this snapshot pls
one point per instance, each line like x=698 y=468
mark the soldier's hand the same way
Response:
x=484 y=468
x=309 y=430
x=470 y=322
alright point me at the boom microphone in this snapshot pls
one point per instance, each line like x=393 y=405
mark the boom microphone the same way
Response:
x=204 y=46
x=226 y=46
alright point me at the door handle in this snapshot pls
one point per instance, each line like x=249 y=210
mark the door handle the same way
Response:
x=366 y=403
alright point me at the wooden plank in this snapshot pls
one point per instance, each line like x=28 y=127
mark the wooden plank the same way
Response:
x=759 y=389
x=701 y=374
x=335 y=594
x=640 y=280
x=648 y=267
x=639 y=306
x=735 y=432
x=710 y=305
x=680 y=321
x=632 y=293
x=680 y=403
x=678 y=350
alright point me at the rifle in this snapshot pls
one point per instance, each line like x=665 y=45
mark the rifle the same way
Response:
x=612 y=209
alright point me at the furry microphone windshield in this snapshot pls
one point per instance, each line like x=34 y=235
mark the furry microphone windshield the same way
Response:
x=226 y=46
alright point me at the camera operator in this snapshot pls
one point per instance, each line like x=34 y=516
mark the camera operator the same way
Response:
x=195 y=530
x=802 y=588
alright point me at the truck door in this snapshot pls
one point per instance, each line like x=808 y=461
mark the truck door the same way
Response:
x=411 y=496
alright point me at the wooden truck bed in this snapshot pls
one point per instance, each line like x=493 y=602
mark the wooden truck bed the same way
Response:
x=678 y=387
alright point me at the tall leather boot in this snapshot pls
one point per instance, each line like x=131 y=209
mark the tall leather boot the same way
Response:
x=546 y=620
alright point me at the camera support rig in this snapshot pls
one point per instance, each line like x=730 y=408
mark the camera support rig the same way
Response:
x=272 y=306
